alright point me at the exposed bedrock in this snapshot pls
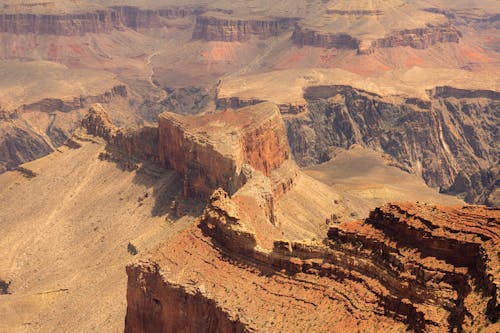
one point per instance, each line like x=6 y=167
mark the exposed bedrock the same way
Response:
x=100 y=21
x=228 y=29
x=155 y=305
x=209 y=151
x=413 y=264
x=22 y=141
x=420 y=38
x=141 y=143
x=302 y=36
x=438 y=139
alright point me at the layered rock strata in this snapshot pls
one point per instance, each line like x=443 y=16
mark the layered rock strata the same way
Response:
x=141 y=143
x=453 y=132
x=302 y=36
x=20 y=141
x=406 y=266
x=209 y=151
x=100 y=21
x=420 y=38
x=228 y=29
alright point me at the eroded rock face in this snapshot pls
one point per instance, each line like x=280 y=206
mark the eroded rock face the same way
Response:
x=420 y=38
x=302 y=36
x=228 y=29
x=100 y=21
x=406 y=266
x=22 y=142
x=210 y=150
x=139 y=143
x=453 y=132
x=171 y=307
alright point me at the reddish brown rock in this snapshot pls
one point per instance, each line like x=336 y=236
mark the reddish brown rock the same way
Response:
x=229 y=29
x=420 y=38
x=99 y=21
x=426 y=268
x=209 y=151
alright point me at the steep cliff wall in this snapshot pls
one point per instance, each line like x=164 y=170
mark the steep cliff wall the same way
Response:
x=22 y=140
x=302 y=36
x=141 y=143
x=405 y=267
x=437 y=139
x=155 y=305
x=228 y=29
x=100 y=21
x=209 y=151
x=420 y=38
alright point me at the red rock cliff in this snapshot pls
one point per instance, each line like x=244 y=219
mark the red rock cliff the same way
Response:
x=228 y=29
x=210 y=150
x=417 y=267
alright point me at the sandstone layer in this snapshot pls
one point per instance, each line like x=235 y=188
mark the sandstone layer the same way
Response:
x=210 y=150
x=397 y=269
x=99 y=21
x=228 y=29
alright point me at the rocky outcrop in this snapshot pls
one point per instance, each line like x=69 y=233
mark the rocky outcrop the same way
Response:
x=155 y=305
x=209 y=151
x=21 y=142
x=405 y=267
x=67 y=105
x=437 y=139
x=141 y=143
x=420 y=38
x=480 y=187
x=303 y=36
x=4 y=287
x=236 y=103
x=100 y=21
x=228 y=29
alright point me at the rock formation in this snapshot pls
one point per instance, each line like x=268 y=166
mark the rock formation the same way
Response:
x=452 y=132
x=141 y=143
x=303 y=36
x=99 y=21
x=228 y=29
x=420 y=38
x=21 y=143
x=406 y=265
x=209 y=151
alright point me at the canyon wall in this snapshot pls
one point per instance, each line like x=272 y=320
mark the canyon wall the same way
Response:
x=405 y=267
x=141 y=143
x=449 y=134
x=155 y=305
x=420 y=38
x=20 y=142
x=228 y=29
x=100 y=21
x=302 y=36
x=209 y=151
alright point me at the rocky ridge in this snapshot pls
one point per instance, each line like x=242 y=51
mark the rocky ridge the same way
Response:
x=419 y=38
x=210 y=150
x=228 y=29
x=21 y=143
x=99 y=21
x=385 y=274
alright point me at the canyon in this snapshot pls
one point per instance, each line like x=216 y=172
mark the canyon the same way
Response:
x=249 y=166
